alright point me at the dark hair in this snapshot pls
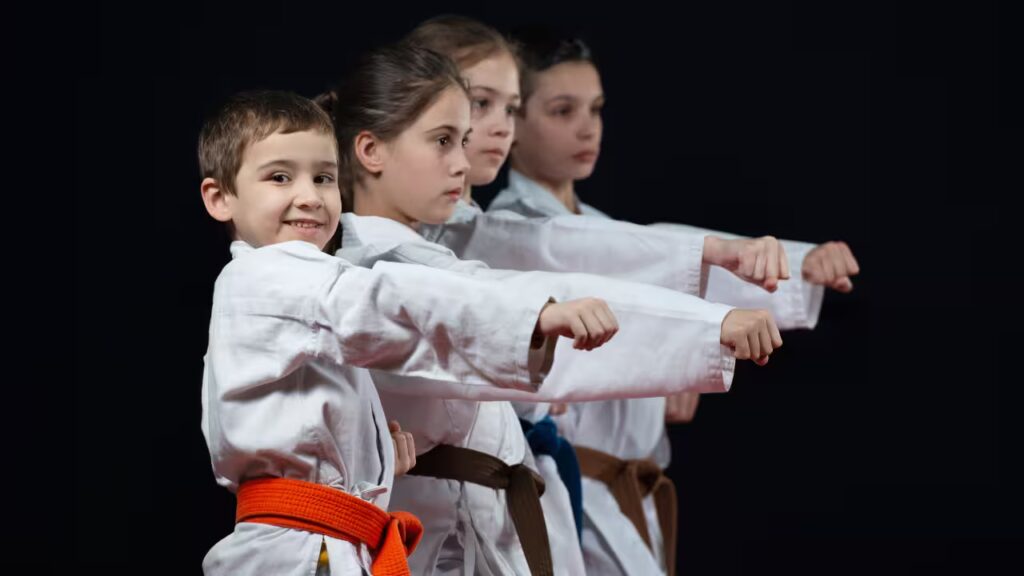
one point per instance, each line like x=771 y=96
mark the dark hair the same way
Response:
x=250 y=117
x=464 y=40
x=384 y=94
x=539 y=49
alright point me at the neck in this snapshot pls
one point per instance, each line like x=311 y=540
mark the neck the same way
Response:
x=562 y=190
x=369 y=203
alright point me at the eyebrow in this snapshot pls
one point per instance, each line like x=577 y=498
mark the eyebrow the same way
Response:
x=290 y=164
x=573 y=98
x=265 y=165
x=568 y=97
x=448 y=128
x=494 y=91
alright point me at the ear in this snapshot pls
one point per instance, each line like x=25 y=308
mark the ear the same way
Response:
x=370 y=152
x=217 y=200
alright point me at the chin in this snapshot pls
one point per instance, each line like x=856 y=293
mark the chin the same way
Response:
x=583 y=172
x=438 y=217
x=484 y=176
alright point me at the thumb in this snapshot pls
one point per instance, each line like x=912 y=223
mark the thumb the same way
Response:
x=393 y=426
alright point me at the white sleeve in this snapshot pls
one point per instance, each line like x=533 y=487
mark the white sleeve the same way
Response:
x=668 y=342
x=582 y=244
x=402 y=319
x=795 y=304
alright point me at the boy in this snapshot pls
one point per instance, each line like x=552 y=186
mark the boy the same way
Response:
x=290 y=414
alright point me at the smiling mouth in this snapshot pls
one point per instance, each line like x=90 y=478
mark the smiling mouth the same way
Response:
x=306 y=224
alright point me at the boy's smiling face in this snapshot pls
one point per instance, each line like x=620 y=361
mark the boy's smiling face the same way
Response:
x=286 y=189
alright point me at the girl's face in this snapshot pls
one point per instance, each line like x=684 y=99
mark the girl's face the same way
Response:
x=494 y=97
x=558 y=137
x=424 y=169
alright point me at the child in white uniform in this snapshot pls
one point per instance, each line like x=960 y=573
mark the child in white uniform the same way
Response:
x=291 y=417
x=408 y=167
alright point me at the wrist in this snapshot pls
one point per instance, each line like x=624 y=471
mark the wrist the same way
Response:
x=712 y=250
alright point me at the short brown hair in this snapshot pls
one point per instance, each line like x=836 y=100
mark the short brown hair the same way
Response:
x=250 y=117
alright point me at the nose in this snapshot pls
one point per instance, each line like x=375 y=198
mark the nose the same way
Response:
x=503 y=128
x=460 y=164
x=308 y=195
x=590 y=128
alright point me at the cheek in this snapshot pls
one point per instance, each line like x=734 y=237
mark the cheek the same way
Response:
x=557 y=139
x=416 y=178
x=482 y=174
x=333 y=202
x=273 y=207
x=424 y=162
x=473 y=149
x=476 y=156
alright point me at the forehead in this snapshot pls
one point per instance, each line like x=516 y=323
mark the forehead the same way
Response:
x=451 y=108
x=499 y=73
x=578 y=79
x=307 y=146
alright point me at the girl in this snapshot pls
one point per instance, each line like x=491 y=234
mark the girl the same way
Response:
x=401 y=118
x=558 y=135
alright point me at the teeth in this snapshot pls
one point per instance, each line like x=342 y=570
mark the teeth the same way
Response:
x=305 y=224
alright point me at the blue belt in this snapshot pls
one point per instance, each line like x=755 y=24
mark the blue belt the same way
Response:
x=544 y=439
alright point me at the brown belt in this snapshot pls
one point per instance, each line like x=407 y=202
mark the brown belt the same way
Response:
x=630 y=481
x=523 y=488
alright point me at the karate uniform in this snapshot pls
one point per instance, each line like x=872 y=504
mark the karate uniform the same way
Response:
x=287 y=393
x=634 y=429
x=479 y=538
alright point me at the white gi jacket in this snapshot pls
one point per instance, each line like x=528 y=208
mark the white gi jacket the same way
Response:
x=479 y=538
x=287 y=393
x=635 y=428
x=647 y=256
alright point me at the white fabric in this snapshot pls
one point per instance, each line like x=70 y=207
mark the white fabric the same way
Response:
x=626 y=428
x=472 y=532
x=287 y=393
x=795 y=304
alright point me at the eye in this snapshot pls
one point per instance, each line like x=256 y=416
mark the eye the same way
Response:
x=481 y=104
x=465 y=141
x=324 y=179
x=511 y=109
x=444 y=140
x=563 y=111
x=280 y=177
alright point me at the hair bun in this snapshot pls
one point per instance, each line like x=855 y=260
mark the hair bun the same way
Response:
x=328 y=101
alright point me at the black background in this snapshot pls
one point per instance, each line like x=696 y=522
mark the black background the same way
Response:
x=885 y=441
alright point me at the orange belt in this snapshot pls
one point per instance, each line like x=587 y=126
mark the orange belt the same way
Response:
x=323 y=510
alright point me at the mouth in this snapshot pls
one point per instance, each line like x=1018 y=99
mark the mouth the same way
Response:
x=585 y=156
x=305 y=226
x=497 y=152
x=453 y=194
